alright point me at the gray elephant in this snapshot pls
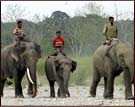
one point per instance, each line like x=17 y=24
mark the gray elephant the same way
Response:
x=58 y=68
x=120 y=58
x=15 y=61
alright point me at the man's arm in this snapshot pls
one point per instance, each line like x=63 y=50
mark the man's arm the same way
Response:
x=16 y=32
x=62 y=45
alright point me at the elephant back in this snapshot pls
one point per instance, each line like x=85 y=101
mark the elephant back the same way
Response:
x=100 y=51
x=124 y=48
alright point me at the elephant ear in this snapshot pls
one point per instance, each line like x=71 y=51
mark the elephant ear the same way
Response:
x=74 y=65
x=38 y=50
x=17 y=50
x=121 y=61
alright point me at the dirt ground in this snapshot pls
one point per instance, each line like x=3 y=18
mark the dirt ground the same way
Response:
x=79 y=96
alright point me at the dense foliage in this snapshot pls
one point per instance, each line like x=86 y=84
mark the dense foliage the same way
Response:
x=83 y=34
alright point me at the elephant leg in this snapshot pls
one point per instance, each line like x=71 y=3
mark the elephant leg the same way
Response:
x=109 y=88
x=67 y=92
x=66 y=89
x=95 y=81
x=60 y=81
x=128 y=86
x=52 y=90
x=18 y=88
x=105 y=85
x=2 y=87
x=30 y=89
x=58 y=92
x=62 y=88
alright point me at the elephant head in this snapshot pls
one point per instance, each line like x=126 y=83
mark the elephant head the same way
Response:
x=65 y=64
x=63 y=67
x=17 y=50
x=30 y=57
x=123 y=54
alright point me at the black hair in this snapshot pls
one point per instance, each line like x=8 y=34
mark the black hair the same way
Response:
x=58 y=32
x=111 y=17
x=19 y=21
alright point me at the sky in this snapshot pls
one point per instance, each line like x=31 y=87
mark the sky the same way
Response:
x=47 y=7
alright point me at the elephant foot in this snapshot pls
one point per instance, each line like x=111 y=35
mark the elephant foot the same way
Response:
x=30 y=92
x=68 y=95
x=19 y=96
x=58 y=93
x=52 y=96
x=33 y=95
x=62 y=96
x=129 y=98
x=108 y=96
x=92 y=94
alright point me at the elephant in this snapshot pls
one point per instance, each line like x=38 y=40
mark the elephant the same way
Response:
x=27 y=54
x=119 y=59
x=58 y=68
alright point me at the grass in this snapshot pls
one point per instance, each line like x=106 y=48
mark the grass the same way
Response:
x=81 y=76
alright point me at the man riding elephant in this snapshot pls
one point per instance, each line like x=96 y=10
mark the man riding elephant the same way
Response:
x=19 y=37
x=58 y=44
x=18 y=33
x=120 y=59
x=19 y=40
x=110 y=32
x=29 y=54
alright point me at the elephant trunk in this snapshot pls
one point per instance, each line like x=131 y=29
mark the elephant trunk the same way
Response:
x=66 y=76
x=31 y=74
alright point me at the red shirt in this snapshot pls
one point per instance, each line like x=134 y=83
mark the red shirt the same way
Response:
x=58 y=42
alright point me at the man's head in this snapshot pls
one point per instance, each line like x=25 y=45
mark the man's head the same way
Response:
x=58 y=33
x=111 y=19
x=19 y=24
